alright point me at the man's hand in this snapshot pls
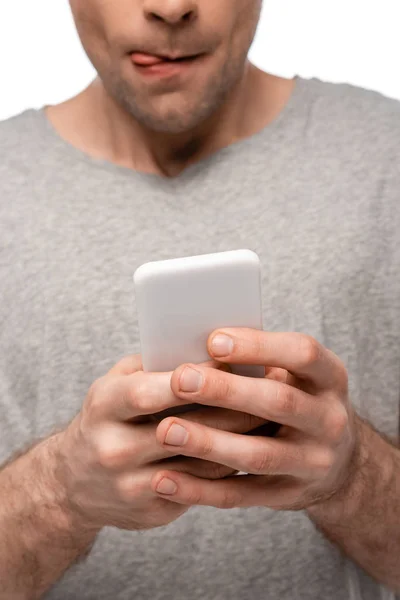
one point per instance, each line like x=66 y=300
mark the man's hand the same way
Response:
x=59 y=494
x=109 y=453
x=305 y=389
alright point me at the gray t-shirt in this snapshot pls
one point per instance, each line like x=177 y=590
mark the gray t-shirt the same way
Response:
x=316 y=195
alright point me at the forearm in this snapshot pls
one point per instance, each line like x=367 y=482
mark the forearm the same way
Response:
x=364 y=519
x=39 y=536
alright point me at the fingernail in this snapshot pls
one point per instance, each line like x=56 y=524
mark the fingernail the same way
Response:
x=176 y=435
x=222 y=345
x=167 y=486
x=190 y=380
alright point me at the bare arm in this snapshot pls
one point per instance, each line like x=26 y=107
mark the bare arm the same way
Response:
x=39 y=536
x=344 y=473
x=98 y=472
x=364 y=520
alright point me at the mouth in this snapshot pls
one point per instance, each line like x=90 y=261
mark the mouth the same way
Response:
x=163 y=65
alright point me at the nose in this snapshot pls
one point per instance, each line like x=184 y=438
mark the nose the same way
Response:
x=172 y=12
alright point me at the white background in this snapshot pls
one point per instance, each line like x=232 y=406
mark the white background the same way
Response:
x=357 y=41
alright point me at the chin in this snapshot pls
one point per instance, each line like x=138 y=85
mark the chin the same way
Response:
x=175 y=113
x=173 y=125
x=173 y=122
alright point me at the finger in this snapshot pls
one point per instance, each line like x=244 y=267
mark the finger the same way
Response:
x=215 y=418
x=255 y=455
x=124 y=398
x=218 y=419
x=299 y=354
x=224 y=419
x=139 y=395
x=133 y=363
x=183 y=409
x=199 y=469
x=271 y=428
x=127 y=365
x=265 y=398
x=122 y=444
x=203 y=469
x=241 y=491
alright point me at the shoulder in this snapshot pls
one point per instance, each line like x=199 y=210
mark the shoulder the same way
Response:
x=354 y=116
x=18 y=125
x=19 y=138
x=21 y=151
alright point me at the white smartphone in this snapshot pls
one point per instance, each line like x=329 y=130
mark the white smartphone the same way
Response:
x=181 y=301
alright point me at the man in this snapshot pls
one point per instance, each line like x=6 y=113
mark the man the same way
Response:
x=164 y=156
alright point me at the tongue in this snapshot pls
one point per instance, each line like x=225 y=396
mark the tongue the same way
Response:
x=146 y=59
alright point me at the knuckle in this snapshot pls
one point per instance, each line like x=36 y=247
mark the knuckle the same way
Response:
x=341 y=373
x=98 y=392
x=286 y=400
x=100 y=452
x=338 y=423
x=262 y=463
x=96 y=387
x=343 y=379
x=206 y=446
x=193 y=496
x=128 y=490
x=309 y=350
x=220 y=389
x=108 y=452
x=229 y=499
x=141 y=394
x=322 y=461
x=111 y=459
x=258 y=347
x=104 y=455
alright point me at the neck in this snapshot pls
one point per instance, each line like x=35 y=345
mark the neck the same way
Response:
x=107 y=131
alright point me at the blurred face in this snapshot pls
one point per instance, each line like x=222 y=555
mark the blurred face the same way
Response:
x=169 y=63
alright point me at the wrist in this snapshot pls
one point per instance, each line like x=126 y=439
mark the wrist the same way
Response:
x=40 y=497
x=40 y=536
x=369 y=471
x=60 y=490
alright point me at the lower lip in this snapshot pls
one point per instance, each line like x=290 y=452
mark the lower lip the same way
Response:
x=168 y=68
